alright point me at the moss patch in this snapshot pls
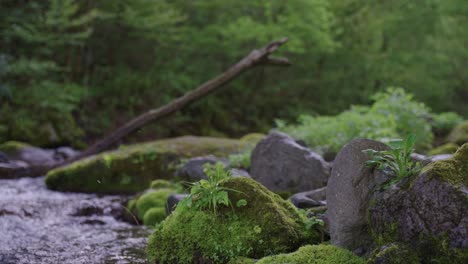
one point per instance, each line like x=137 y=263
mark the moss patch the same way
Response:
x=154 y=216
x=161 y=184
x=12 y=147
x=454 y=170
x=394 y=253
x=150 y=200
x=265 y=225
x=131 y=169
x=316 y=254
x=447 y=148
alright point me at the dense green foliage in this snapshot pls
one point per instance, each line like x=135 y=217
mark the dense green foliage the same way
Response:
x=394 y=114
x=73 y=70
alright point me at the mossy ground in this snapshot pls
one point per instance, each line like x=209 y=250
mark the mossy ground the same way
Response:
x=130 y=169
x=265 y=225
x=315 y=254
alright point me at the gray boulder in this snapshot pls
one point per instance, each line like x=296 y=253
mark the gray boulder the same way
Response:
x=192 y=170
x=310 y=199
x=434 y=205
x=282 y=165
x=349 y=191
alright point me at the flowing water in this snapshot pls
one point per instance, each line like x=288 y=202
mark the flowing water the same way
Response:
x=42 y=226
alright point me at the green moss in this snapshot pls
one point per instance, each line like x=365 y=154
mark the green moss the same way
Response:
x=154 y=216
x=459 y=134
x=394 y=253
x=161 y=184
x=242 y=260
x=316 y=254
x=266 y=225
x=447 y=148
x=131 y=169
x=388 y=235
x=454 y=170
x=150 y=200
x=252 y=139
x=12 y=147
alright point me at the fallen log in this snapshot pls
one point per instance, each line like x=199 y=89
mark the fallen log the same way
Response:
x=254 y=58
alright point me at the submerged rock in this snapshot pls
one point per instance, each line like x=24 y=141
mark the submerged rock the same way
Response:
x=349 y=191
x=431 y=208
x=264 y=225
x=282 y=165
x=131 y=168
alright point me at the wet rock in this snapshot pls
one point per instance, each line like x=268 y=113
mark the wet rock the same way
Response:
x=239 y=173
x=87 y=208
x=92 y=222
x=3 y=158
x=310 y=199
x=192 y=171
x=282 y=165
x=13 y=169
x=348 y=194
x=434 y=205
x=172 y=202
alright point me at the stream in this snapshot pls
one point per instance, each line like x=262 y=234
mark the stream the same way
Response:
x=42 y=226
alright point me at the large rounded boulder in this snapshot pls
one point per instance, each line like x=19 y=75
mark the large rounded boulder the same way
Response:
x=430 y=212
x=259 y=223
x=349 y=191
x=283 y=165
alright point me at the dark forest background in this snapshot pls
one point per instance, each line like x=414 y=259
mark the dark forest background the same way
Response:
x=71 y=71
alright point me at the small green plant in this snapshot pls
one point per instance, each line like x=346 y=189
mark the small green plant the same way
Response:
x=397 y=159
x=209 y=194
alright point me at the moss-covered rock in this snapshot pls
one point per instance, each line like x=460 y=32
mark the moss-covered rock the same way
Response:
x=459 y=134
x=13 y=147
x=131 y=168
x=161 y=184
x=157 y=198
x=394 y=253
x=447 y=148
x=454 y=170
x=315 y=254
x=429 y=213
x=265 y=225
x=154 y=216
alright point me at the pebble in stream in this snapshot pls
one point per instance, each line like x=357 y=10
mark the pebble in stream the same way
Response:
x=42 y=226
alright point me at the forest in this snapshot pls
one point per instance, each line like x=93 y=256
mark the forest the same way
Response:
x=335 y=131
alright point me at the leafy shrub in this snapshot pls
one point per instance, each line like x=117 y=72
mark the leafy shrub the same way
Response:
x=397 y=159
x=241 y=160
x=394 y=114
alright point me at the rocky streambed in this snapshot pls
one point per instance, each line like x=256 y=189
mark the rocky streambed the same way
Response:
x=42 y=226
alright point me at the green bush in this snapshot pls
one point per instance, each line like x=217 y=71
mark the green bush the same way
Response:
x=394 y=114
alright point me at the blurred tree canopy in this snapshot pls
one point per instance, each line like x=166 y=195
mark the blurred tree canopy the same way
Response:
x=71 y=71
